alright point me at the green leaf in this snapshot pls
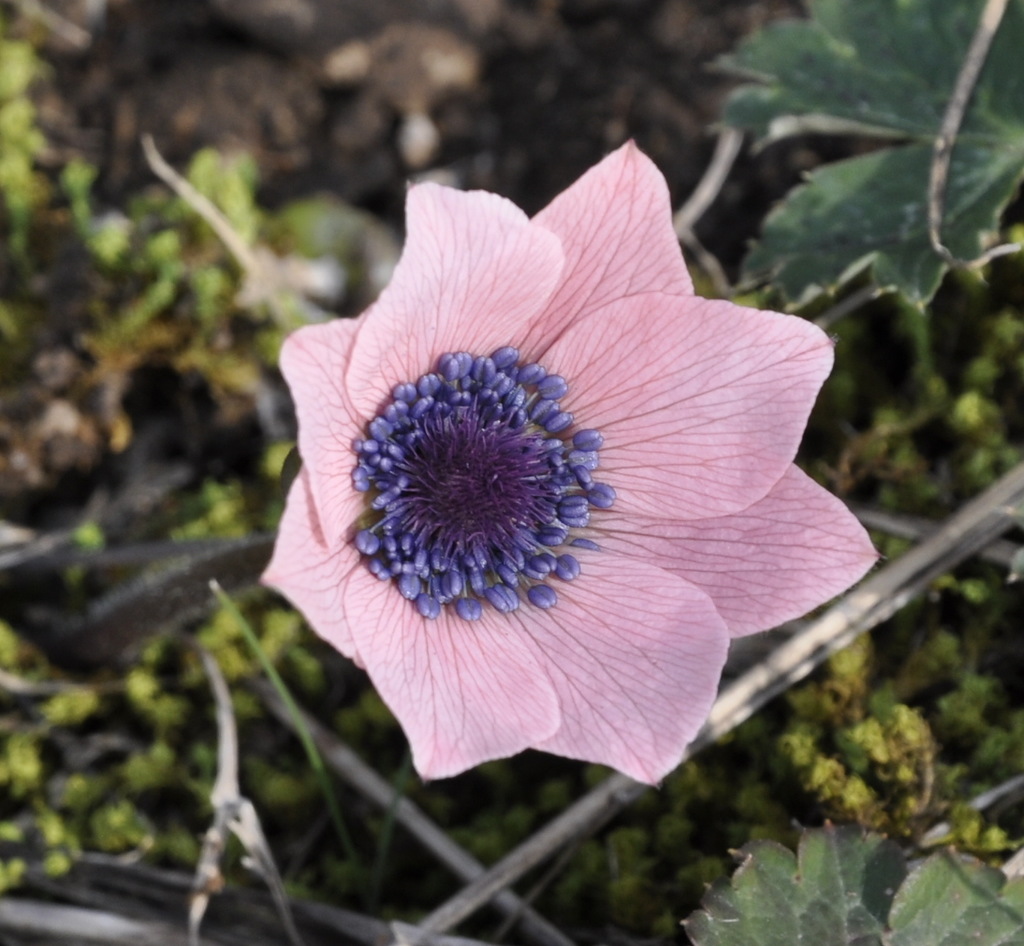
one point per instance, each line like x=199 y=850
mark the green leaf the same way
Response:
x=886 y=69
x=867 y=211
x=951 y=901
x=837 y=892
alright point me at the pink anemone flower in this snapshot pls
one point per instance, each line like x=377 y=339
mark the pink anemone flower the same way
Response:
x=544 y=484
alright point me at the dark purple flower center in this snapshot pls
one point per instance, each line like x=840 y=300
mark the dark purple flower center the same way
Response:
x=479 y=485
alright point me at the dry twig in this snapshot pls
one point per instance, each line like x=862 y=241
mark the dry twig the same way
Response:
x=206 y=209
x=267 y=276
x=685 y=219
x=1001 y=795
x=71 y=33
x=878 y=598
x=845 y=306
x=727 y=148
x=235 y=814
x=39 y=919
x=1000 y=552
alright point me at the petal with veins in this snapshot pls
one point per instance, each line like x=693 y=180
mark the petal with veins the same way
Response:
x=770 y=563
x=473 y=273
x=464 y=692
x=313 y=362
x=702 y=403
x=615 y=225
x=635 y=654
x=308 y=572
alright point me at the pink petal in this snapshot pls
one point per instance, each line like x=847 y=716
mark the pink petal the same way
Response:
x=636 y=655
x=307 y=572
x=313 y=361
x=702 y=403
x=615 y=224
x=463 y=692
x=473 y=273
x=791 y=551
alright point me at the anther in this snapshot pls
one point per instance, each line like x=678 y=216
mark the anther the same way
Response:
x=543 y=596
x=476 y=486
x=468 y=609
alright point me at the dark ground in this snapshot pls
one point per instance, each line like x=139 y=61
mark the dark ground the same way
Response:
x=524 y=94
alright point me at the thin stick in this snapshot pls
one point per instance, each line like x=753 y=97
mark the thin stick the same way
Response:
x=223 y=798
x=266 y=275
x=978 y=523
x=1000 y=552
x=308 y=744
x=38 y=918
x=70 y=32
x=953 y=118
x=844 y=307
x=1009 y=791
x=232 y=813
x=206 y=209
x=727 y=148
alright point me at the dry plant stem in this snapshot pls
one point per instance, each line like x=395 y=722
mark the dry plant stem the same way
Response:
x=1014 y=867
x=346 y=764
x=685 y=219
x=407 y=935
x=707 y=261
x=844 y=307
x=1000 y=552
x=18 y=686
x=556 y=869
x=878 y=598
x=727 y=148
x=242 y=253
x=991 y=17
x=71 y=33
x=46 y=922
x=238 y=917
x=264 y=281
x=232 y=813
x=38 y=918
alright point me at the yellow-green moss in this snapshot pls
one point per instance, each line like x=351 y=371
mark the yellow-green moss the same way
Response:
x=286 y=796
x=57 y=863
x=71 y=708
x=118 y=826
x=12 y=872
x=21 y=764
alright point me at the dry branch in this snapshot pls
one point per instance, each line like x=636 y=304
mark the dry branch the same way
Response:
x=727 y=147
x=116 y=901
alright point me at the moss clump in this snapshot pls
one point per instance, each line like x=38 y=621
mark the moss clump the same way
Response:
x=12 y=873
x=118 y=826
x=22 y=189
x=71 y=708
x=22 y=770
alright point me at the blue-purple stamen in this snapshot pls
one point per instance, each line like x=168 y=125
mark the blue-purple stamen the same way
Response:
x=478 y=484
